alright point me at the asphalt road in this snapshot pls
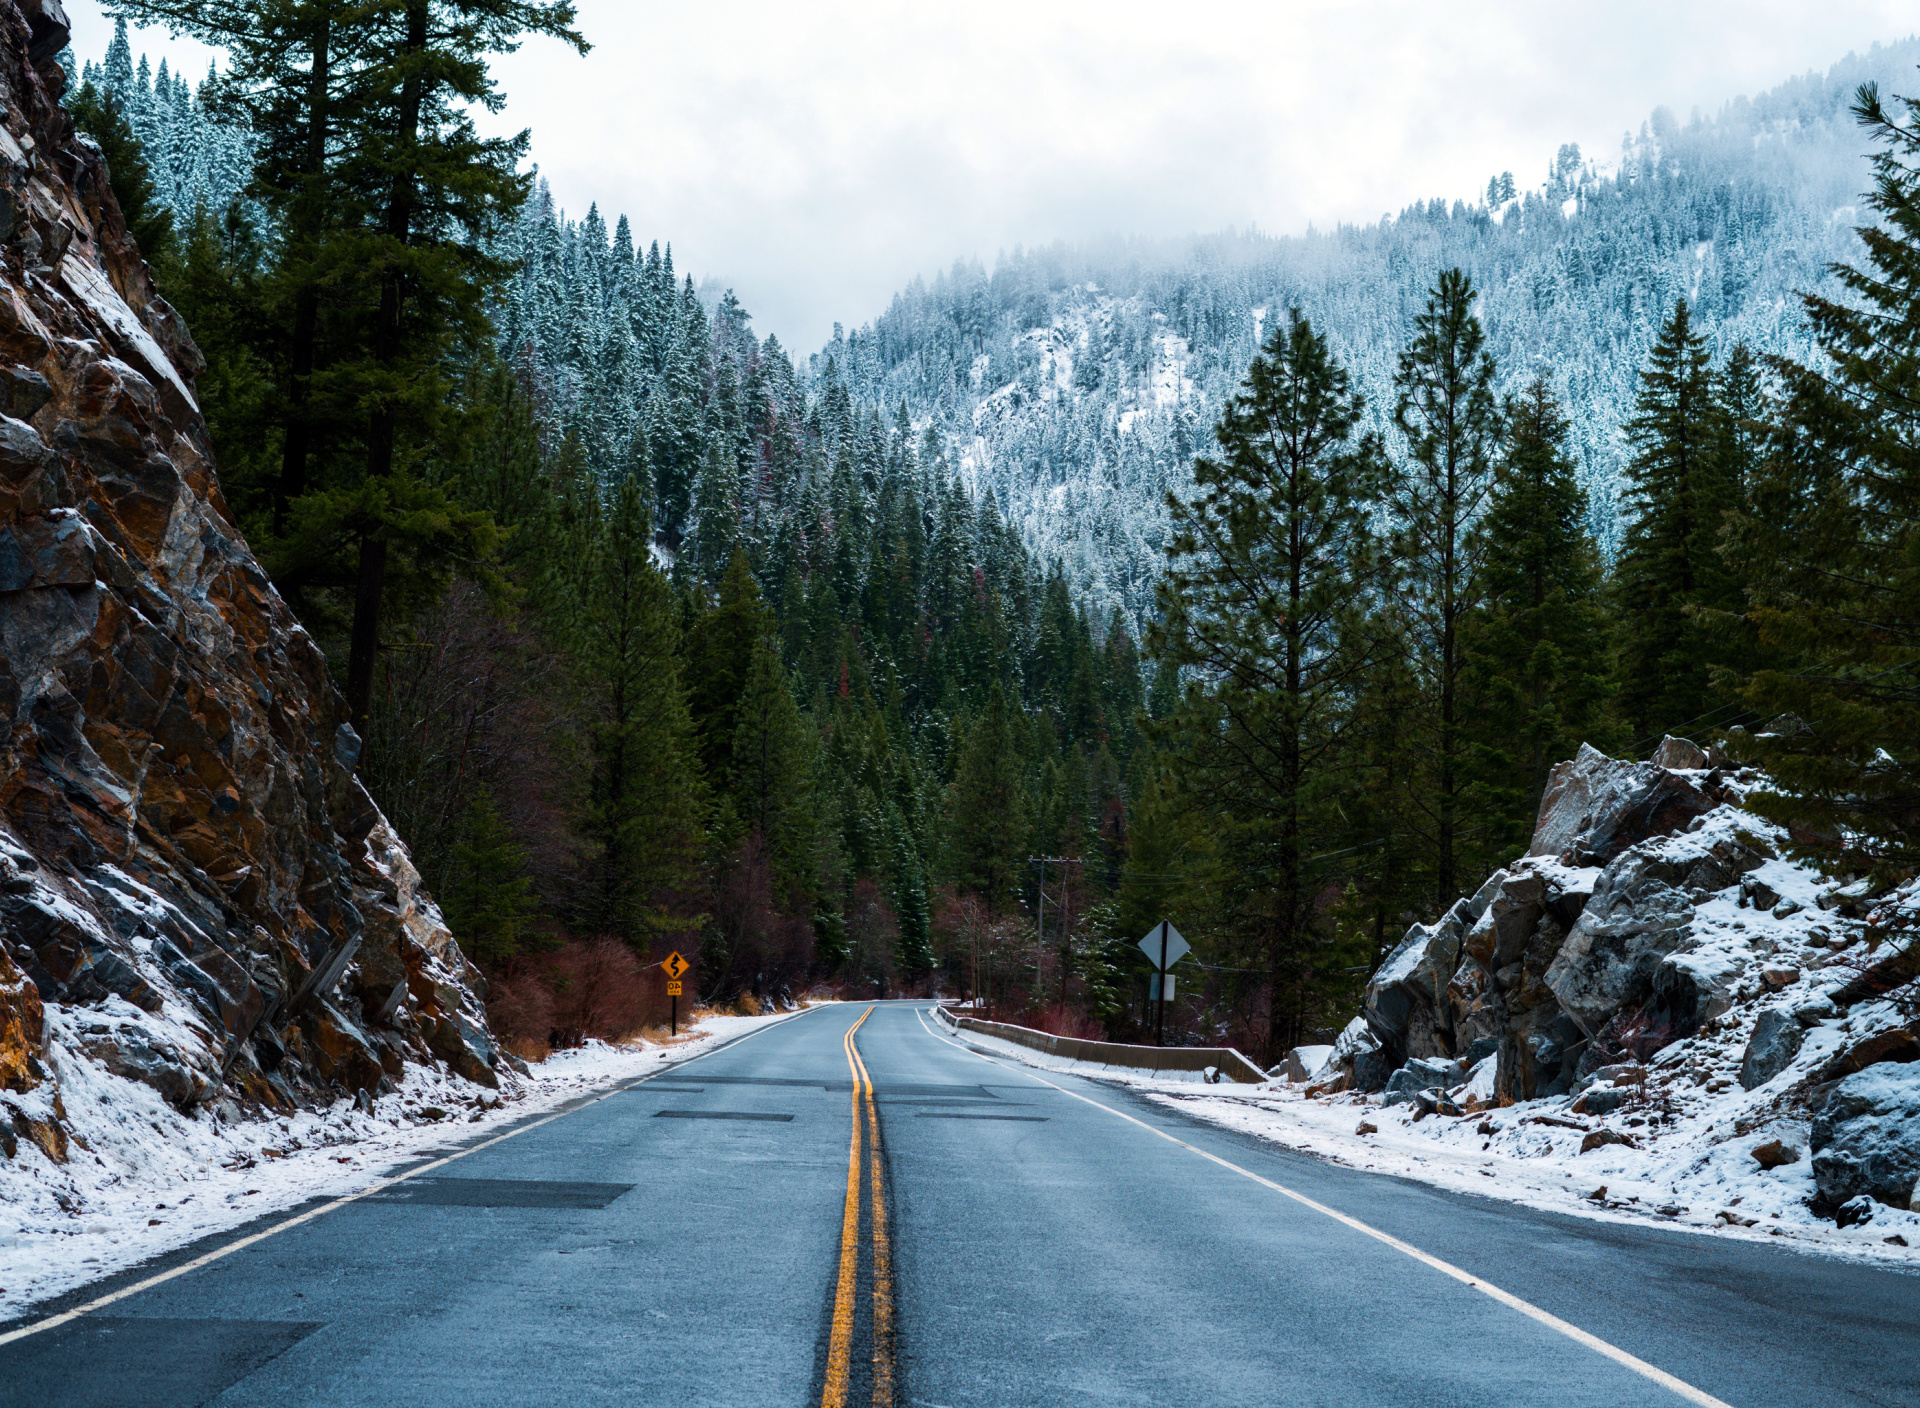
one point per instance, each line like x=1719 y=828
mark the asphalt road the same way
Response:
x=713 y=1236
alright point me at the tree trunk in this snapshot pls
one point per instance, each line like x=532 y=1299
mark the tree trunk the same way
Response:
x=306 y=315
x=388 y=335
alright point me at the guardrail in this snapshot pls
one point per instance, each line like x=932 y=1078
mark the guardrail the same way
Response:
x=1195 y=1059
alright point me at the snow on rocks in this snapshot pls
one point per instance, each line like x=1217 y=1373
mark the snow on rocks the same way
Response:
x=1675 y=1010
x=141 y=1179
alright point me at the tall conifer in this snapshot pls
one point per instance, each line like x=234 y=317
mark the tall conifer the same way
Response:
x=1267 y=580
x=1835 y=524
x=1681 y=488
x=1536 y=647
x=1445 y=408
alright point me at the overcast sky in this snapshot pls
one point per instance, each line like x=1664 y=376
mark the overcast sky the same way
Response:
x=816 y=157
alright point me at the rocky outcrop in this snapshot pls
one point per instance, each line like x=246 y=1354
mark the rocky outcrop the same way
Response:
x=187 y=863
x=1579 y=954
x=1595 y=806
x=1866 y=1137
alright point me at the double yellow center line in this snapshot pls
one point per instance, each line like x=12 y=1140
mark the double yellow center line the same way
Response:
x=862 y=1176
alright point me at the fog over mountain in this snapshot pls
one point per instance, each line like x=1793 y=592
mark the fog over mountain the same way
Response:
x=1075 y=383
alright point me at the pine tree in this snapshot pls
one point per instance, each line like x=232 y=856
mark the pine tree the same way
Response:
x=1536 y=665
x=433 y=189
x=643 y=817
x=1447 y=412
x=988 y=808
x=720 y=649
x=1680 y=489
x=1268 y=575
x=773 y=761
x=487 y=894
x=1833 y=532
x=99 y=114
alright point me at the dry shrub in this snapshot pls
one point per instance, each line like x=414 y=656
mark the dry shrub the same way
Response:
x=748 y=1005
x=599 y=990
x=520 y=1006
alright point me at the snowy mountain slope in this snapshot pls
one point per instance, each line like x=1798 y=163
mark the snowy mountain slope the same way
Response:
x=1075 y=383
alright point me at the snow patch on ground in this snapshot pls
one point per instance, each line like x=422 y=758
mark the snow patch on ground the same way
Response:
x=141 y=1179
x=1529 y=1153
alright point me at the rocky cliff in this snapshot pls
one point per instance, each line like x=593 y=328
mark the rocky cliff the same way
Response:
x=1656 y=966
x=195 y=893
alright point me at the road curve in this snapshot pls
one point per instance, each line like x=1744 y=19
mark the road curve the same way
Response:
x=814 y=1215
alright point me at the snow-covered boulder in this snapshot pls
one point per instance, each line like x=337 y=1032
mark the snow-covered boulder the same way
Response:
x=1866 y=1136
x=1595 y=807
x=1592 y=947
x=1357 y=1056
x=1641 y=913
x=1304 y=1062
x=1418 y=1075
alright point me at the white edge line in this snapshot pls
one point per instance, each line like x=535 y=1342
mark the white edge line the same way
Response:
x=380 y=1185
x=1507 y=1298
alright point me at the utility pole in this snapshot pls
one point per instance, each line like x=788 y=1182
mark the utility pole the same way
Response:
x=1040 y=927
x=1040 y=924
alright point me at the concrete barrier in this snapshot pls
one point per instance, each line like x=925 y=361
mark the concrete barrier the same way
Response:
x=1146 y=1059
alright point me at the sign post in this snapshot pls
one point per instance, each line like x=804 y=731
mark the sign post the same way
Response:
x=1164 y=947
x=676 y=967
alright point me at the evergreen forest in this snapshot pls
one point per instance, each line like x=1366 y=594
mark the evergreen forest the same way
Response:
x=1252 y=583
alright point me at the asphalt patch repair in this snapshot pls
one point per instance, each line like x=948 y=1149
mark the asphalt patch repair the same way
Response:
x=499 y=1193
x=88 y=1363
x=719 y=1115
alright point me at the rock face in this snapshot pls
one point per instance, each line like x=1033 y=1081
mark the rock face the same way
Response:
x=1595 y=806
x=1866 y=1137
x=186 y=861
x=1581 y=953
x=1776 y=1040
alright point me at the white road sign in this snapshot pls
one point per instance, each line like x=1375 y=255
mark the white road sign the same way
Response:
x=1176 y=948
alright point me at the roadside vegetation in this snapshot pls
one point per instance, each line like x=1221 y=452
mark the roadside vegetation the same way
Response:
x=660 y=639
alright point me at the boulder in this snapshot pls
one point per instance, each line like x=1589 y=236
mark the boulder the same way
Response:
x=1866 y=1137
x=1774 y=1154
x=1418 y=1075
x=1595 y=807
x=1602 y=1100
x=1406 y=997
x=135 y=1054
x=1680 y=755
x=1637 y=917
x=1757 y=893
x=1775 y=1042
x=1899 y=1045
x=1540 y=1056
x=1691 y=988
x=1641 y=913
x=1358 y=1056
x=1304 y=1062
x=1814 y=1011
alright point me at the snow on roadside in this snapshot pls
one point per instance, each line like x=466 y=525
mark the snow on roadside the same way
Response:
x=148 y=1180
x=1684 y=1180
